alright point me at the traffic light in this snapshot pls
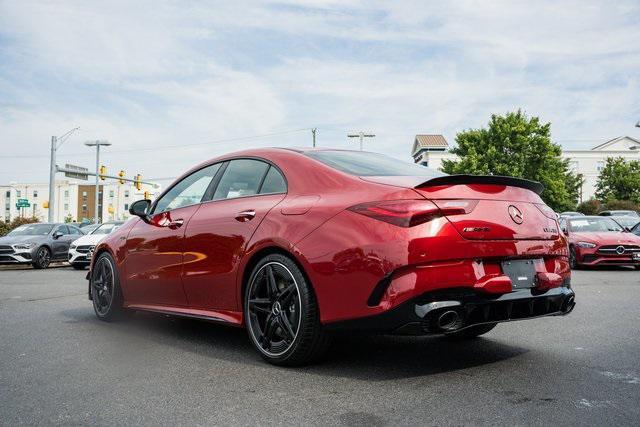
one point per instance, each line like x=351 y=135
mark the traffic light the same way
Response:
x=138 y=182
x=103 y=172
x=45 y=205
x=146 y=195
x=121 y=175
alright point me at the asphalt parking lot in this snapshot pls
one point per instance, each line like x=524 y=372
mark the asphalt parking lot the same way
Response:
x=60 y=365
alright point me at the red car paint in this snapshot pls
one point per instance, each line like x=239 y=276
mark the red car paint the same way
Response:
x=199 y=268
x=609 y=247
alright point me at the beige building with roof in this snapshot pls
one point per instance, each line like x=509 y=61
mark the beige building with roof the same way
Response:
x=431 y=150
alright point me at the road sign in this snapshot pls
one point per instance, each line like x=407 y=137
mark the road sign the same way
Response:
x=77 y=172
x=23 y=203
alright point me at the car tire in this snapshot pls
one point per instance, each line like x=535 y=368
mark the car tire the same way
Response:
x=105 y=289
x=472 y=332
x=573 y=258
x=42 y=258
x=282 y=315
x=77 y=266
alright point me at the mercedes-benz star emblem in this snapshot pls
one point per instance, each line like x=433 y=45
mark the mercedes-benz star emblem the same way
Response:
x=620 y=250
x=515 y=214
x=275 y=310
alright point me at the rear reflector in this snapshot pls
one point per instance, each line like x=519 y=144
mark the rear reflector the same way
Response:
x=408 y=213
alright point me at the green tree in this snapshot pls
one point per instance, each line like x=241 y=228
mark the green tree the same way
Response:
x=517 y=145
x=619 y=180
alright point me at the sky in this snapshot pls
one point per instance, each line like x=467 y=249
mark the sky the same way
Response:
x=173 y=83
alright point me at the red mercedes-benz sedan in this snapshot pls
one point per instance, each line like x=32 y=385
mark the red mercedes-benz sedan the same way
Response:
x=599 y=240
x=297 y=244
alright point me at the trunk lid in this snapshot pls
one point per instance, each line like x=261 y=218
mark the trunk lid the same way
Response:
x=496 y=207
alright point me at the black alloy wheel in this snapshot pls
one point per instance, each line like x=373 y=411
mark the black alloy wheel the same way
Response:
x=281 y=313
x=105 y=288
x=573 y=259
x=43 y=258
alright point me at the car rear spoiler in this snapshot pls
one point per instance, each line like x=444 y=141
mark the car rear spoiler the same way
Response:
x=534 y=186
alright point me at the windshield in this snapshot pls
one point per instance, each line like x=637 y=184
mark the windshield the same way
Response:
x=106 y=228
x=626 y=213
x=593 y=225
x=361 y=163
x=31 y=230
x=626 y=221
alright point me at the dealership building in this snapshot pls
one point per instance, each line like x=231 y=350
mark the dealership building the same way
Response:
x=431 y=150
x=73 y=199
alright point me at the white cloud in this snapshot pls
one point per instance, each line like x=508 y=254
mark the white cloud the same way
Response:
x=166 y=73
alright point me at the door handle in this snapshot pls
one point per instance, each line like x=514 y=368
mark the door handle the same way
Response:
x=176 y=223
x=245 y=216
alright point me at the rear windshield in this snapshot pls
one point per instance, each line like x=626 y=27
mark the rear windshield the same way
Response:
x=593 y=224
x=362 y=163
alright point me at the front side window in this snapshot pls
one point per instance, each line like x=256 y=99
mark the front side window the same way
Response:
x=63 y=229
x=241 y=178
x=189 y=191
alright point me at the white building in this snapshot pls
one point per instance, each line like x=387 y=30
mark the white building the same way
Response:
x=75 y=199
x=431 y=150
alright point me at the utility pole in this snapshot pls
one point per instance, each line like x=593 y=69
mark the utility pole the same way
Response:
x=55 y=144
x=361 y=136
x=52 y=180
x=313 y=133
x=97 y=144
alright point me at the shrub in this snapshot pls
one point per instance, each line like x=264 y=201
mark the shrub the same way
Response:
x=590 y=207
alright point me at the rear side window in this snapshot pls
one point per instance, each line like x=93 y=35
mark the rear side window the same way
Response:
x=362 y=163
x=241 y=178
x=273 y=182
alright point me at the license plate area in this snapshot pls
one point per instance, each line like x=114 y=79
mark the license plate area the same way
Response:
x=522 y=272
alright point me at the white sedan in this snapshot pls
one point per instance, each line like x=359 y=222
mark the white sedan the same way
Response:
x=81 y=249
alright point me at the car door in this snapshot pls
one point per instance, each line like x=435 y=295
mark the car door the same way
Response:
x=154 y=248
x=217 y=234
x=61 y=243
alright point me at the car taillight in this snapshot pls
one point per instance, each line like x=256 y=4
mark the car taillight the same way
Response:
x=546 y=210
x=408 y=213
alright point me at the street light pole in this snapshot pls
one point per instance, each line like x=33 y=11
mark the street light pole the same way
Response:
x=52 y=180
x=97 y=144
x=361 y=136
x=55 y=144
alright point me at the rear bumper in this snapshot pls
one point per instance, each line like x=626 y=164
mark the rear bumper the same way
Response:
x=465 y=308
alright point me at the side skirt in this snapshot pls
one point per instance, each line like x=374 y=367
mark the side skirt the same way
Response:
x=230 y=318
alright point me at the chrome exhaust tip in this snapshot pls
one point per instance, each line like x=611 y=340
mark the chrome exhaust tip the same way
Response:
x=449 y=320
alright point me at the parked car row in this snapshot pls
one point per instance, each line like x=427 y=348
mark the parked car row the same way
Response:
x=601 y=240
x=40 y=244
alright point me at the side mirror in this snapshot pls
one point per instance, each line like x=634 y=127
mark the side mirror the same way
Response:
x=565 y=231
x=57 y=234
x=140 y=208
